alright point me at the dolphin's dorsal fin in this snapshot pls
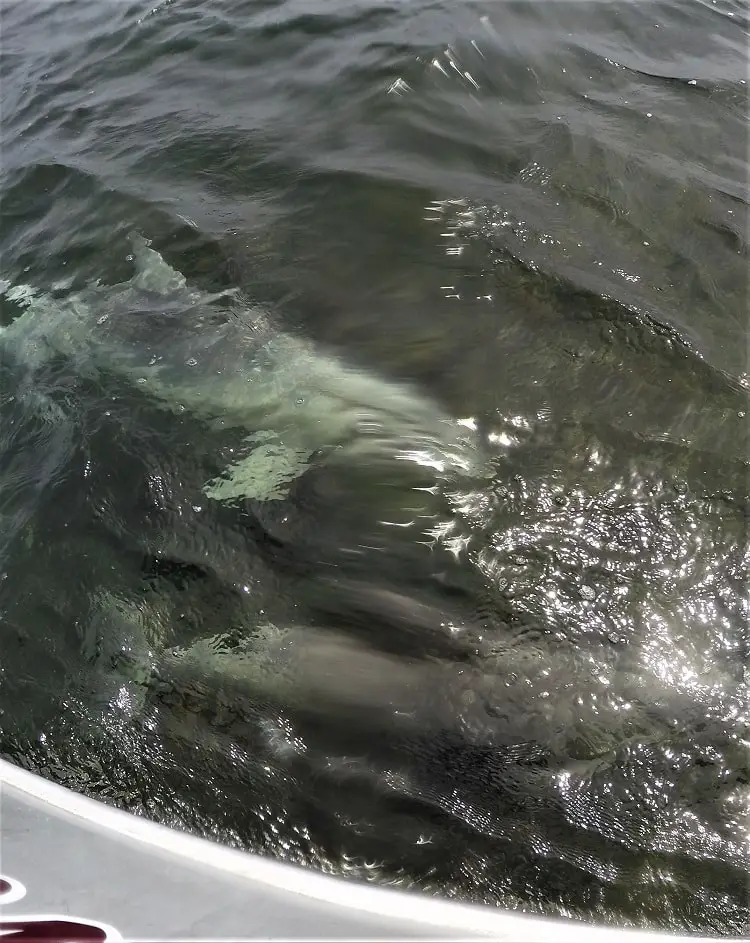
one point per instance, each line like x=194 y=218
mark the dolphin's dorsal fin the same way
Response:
x=152 y=272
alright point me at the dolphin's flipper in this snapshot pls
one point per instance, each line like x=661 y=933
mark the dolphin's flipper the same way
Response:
x=152 y=272
x=266 y=474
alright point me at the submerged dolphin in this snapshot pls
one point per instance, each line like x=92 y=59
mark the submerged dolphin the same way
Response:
x=227 y=364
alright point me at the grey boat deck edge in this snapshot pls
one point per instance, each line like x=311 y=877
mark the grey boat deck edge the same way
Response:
x=69 y=857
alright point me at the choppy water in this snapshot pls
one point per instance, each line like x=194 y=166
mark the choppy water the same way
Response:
x=537 y=214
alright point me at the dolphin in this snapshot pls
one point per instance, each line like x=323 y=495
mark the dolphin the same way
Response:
x=226 y=363
x=293 y=406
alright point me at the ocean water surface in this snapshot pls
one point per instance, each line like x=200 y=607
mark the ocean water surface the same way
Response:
x=406 y=538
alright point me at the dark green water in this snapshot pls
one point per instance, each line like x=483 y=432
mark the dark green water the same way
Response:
x=534 y=212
